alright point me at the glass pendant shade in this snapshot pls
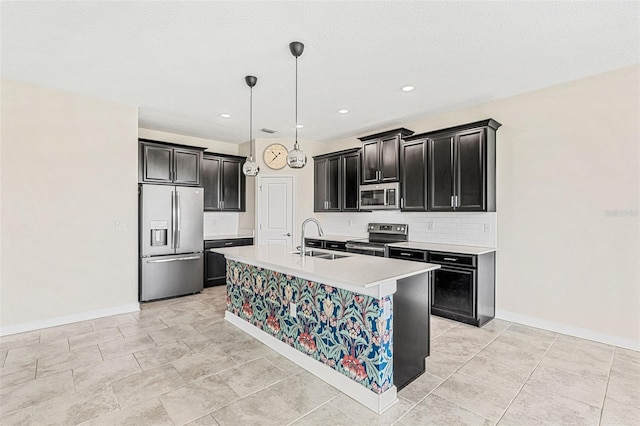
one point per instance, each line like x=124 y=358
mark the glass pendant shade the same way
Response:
x=250 y=167
x=296 y=159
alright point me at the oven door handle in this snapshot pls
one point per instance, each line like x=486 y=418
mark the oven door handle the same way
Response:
x=359 y=247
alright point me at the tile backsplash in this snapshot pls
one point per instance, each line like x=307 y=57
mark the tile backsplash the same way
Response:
x=474 y=229
x=220 y=223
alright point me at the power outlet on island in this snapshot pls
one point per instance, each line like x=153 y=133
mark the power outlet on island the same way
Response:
x=293 y=310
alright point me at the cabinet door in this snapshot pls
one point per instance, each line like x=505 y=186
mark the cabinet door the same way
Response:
x=186 y=167
x=319 y=185
x=413 y=156
x=370 y=161
x=350 y=182
x=441 y=174
x=215 y=269
x=389 y=164
x=231 y=185
x=454 y=291
x=211 y=182
x=333 y=179
x=470 y=170
x=157 y=164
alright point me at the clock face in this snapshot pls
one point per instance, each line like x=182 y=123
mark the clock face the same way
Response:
x=275 y=156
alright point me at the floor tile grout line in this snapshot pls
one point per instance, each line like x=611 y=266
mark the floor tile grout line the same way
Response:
x=606 y=388
x=454 y=372
x=526 y=380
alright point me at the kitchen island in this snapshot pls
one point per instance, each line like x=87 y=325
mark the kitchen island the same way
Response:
x=360 y=323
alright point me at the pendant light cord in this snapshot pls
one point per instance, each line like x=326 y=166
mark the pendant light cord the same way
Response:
x=251 y=124
x=296 y=145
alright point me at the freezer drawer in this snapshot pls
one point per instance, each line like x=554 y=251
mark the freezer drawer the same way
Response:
x=169 y=276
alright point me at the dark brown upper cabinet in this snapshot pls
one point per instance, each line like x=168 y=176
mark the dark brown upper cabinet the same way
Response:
x=380 y=156
x=461 y=167
x=167 y=164
x=337 y=181
x=414 y=167
x=223 y=183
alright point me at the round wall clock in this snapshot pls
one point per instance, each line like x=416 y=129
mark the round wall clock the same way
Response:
x=275 y=156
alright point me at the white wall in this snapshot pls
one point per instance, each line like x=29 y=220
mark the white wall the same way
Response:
x=303 y=178
x=69 y=207
x=568 y=191
x=211 y=145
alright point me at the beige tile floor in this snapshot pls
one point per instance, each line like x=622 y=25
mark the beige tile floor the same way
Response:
x=178 y=362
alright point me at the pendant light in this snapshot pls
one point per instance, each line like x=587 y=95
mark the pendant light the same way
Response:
x=296 y=159
x=250 y=167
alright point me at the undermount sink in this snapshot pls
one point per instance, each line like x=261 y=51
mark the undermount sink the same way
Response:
x=322 y=255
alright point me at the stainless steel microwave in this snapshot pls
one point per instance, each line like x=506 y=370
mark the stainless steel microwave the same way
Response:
x=380 y=196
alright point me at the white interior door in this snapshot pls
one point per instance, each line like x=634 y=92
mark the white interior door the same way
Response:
x=275 y=216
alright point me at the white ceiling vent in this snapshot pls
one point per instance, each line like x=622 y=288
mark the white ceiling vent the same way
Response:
x=264 y=129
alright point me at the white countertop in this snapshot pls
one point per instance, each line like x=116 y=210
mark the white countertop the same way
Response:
x=357 y=273
x=227 y=237
x=449 y=248
x=338 y=238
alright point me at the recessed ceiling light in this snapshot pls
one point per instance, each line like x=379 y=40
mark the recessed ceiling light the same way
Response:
x=299 y=126
x=343 y=111
x=225 y=115
x=407 y=88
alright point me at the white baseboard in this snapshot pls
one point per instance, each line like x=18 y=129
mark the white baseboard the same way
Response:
x=68 y=319
x=583 y=333
x=366 y=397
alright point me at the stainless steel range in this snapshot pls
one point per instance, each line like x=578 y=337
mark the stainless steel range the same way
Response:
x=380 y=235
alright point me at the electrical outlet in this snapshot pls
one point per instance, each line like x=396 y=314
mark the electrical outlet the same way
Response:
x=293 y=310
x=431 y=225
x=487 y=227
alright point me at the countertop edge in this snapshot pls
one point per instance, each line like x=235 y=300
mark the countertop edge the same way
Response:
x=368 y=288
x=445 y=248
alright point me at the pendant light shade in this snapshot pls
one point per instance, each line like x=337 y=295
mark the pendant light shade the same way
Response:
x=296 y=159
x=250 y=167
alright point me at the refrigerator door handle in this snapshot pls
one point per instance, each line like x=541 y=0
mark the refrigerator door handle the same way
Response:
x=178 y=220
x=173 y=220
x=174 y=260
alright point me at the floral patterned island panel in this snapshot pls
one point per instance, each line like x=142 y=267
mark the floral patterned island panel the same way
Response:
x=347 y=331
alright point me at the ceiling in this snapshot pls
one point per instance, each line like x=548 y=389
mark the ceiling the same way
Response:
x=183 y=63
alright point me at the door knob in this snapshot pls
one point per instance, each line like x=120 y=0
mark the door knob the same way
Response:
x=288 y=234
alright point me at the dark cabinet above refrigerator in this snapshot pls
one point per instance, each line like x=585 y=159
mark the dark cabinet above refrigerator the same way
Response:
x=162 y=163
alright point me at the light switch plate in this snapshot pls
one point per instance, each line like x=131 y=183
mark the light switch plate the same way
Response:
x=293 y=310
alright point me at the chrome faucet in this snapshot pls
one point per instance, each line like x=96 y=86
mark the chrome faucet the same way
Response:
x=320 y=232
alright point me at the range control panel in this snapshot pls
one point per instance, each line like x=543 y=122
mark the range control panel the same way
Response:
x=389 y=228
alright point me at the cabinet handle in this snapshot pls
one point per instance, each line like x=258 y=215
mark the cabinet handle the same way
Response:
x=288 y=234
x=222 y=204
x=405 y=254
x=453 y=202
x=402 y=203
x=228 y=243
x=451 y=259
x=457 y=201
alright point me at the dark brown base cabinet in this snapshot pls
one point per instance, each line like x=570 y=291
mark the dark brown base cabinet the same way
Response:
x=215 y=266
x=325 y=244
x=463 y=289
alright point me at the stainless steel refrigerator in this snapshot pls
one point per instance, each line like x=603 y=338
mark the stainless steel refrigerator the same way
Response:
x=171 y=242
